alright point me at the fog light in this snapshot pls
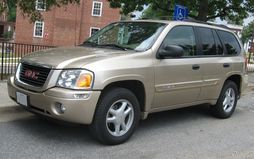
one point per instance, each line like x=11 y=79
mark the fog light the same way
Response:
x=60 y=108
x=81 y=96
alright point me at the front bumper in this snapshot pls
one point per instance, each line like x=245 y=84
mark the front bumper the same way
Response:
x=77 y=110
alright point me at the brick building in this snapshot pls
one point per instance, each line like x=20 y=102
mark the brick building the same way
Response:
x=67 y=25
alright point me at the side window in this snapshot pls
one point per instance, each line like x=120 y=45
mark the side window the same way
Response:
x=219 y=46
x=207 y=41
x=184 y=37
x=230 y=42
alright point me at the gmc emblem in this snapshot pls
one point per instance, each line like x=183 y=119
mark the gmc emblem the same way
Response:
x=32 y=74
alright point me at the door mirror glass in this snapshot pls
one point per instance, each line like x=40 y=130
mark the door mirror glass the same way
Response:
x=173 y=51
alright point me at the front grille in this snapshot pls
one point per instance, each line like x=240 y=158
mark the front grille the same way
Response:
x=33 y=75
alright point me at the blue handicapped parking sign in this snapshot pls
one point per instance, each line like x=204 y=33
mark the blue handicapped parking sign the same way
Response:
x=180 y=13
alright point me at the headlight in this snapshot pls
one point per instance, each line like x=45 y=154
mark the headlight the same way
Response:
x=75 y=79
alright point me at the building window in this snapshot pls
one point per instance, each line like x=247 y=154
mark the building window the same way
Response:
x=97 y=9
x=93 y=30
x=38 y=29
x=40 y=5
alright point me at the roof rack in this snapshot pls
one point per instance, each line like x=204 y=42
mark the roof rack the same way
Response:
x=158 y=18
x=208 y=23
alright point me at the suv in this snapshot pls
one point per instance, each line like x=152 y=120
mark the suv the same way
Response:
x=130 y=69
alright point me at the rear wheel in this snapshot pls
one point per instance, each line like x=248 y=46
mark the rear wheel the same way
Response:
x=227 y=101
x=116 y=117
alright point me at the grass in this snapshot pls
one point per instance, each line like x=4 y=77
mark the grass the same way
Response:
x=9 y=58
x=8 y=55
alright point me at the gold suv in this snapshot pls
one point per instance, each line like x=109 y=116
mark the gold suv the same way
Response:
x=130 y=69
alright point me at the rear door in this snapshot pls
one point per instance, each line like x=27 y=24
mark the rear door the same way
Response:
x=215 y=63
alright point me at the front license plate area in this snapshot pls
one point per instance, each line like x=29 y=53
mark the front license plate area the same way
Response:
x=22 y=99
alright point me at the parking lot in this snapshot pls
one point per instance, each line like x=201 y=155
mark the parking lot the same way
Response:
x=190 y=133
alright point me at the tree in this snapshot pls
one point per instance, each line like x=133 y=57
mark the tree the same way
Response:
x=154 y=13
x=11 y=5
x=203 y=10
x=28 y=8
x=248 y=32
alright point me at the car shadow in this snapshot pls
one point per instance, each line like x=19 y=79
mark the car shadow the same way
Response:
x=47 y=130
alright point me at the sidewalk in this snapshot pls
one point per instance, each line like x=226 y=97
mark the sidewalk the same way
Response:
x=251 y=78
x=7 y=103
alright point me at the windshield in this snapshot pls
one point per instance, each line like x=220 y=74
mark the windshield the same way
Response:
x=138 y=36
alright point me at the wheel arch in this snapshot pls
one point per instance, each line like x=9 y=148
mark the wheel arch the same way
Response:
x=237 y=79
x=135 y=86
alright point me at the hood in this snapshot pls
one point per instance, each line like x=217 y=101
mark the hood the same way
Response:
x=72 y=57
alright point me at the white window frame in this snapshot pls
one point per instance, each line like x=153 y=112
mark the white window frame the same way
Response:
x=92 y=29
x=37 y=6
x=38 y=36
x=95 y=15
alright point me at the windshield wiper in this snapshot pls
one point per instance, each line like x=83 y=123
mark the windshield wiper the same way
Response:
x=115 y=46
x=93 y=44
x=90 y=43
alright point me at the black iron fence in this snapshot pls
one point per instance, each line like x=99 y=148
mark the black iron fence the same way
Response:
x=11 y=53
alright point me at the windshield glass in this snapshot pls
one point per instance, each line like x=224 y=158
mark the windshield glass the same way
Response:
x=138 y=36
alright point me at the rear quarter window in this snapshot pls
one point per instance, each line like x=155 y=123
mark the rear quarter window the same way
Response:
x=231 y=43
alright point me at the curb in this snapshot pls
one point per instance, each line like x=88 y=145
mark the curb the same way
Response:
x=12 y=108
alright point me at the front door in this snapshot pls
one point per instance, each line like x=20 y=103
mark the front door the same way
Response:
x=178 y=81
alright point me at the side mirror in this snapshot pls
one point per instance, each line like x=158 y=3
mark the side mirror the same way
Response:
x=173 y=51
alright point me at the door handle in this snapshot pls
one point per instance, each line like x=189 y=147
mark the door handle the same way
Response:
x=195 y=67
x=226 y=65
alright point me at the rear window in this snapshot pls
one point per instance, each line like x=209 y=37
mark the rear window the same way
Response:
x=207 y=41
x=231 y=44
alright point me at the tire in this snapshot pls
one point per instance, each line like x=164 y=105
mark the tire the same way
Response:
x=227 y=101
x=116 y=117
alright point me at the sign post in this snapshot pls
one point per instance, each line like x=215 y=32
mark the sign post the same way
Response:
x=180 y=13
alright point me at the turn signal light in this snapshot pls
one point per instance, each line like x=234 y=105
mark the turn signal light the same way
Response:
x=84 y=81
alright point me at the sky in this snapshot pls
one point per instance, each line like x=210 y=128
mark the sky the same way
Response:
x=246 y=21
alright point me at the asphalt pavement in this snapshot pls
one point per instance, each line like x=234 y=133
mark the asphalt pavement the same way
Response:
x=190 y=133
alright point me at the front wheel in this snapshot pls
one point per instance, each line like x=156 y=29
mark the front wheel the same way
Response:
x=227 y=101
x=116 y=117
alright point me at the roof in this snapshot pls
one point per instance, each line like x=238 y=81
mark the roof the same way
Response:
x=187 y=22
x=235 y=27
